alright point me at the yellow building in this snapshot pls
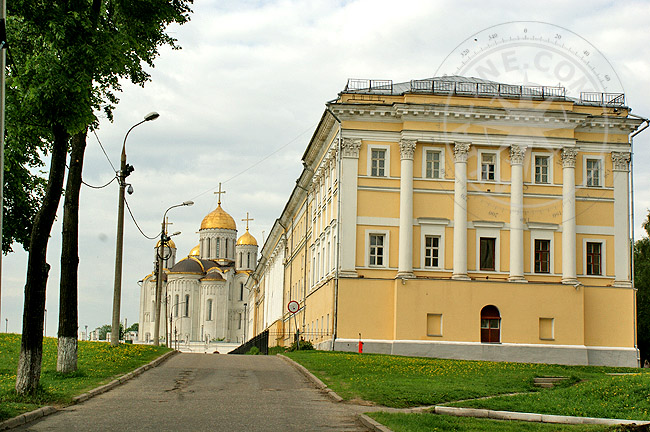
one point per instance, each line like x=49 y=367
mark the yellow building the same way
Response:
x=458 y=218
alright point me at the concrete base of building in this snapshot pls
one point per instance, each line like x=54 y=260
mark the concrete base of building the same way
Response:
x=522 y=353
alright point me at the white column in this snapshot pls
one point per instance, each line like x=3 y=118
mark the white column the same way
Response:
x=569 y=215
x=460 y=211
x=517 y=214
x=348 y=190
x=405 y=266
x=621 y=169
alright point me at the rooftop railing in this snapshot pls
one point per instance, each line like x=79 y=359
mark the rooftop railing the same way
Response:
x=482 y=89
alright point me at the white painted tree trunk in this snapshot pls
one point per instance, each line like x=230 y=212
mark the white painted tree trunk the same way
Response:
x=66 y=360
x=29 y=370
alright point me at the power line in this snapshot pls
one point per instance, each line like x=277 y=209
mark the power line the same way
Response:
x=259 y=161
x=136 y=222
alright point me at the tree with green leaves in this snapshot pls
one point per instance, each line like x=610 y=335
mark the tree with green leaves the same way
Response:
x=69 y=58
x=642 y=284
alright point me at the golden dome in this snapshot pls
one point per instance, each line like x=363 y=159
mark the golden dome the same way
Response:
x=195 y=251
x=246 y=239
x=170 y=243
x=218 y=218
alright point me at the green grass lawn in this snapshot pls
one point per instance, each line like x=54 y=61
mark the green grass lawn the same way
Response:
x=431 y=422
x=98 y=363
x=411 y=381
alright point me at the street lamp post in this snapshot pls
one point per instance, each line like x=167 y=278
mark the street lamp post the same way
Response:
x=164 y=238
x=117 y=287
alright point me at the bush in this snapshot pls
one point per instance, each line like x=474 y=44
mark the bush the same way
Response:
x=277 y=350
x=253 y=351
x=304 y=345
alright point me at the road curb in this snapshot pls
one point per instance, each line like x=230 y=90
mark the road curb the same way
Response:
x=372 y=424
x=47 y=410
x=317 y=382
x=531 y=417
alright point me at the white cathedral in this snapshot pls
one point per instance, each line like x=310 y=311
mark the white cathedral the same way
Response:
x=205 y=290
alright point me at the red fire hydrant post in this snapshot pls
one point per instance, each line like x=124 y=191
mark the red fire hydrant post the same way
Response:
x=360 y=344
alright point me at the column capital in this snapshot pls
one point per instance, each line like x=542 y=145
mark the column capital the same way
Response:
x=461 y=149
x=350 y=147
x=621 y=161
x=517 y=154
x=407 y=148
x=569 y=155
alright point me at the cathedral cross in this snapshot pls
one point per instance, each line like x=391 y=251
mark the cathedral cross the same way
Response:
x=167 y=223
x=247 y=219
x=219 y=193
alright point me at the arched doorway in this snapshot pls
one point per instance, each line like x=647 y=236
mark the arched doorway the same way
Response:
x=490 y=324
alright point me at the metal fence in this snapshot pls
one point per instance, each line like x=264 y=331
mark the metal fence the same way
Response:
x=261 y=341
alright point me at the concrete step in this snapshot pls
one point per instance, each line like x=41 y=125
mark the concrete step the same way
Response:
x=548 y=382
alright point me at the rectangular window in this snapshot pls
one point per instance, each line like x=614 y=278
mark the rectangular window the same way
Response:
x=209 y=310
x=541 y=169
x=432 y=164
x=488 y=253
x=431 y=250
x=546 y=329
x=434 y=324
x=378 y=163
x=593 y=172
x=187 y=306
x=488 y=166
x=376 y=249
x=542 y=256
x=594 y=258
x=241 y=291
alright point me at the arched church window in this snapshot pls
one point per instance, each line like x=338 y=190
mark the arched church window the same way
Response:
x=227 y=249
x=490 y=324
x=218 y=247
x=240 y=259
x=207 y=248
x=209 y=310
x=176 y=301
x=241 y=291
x=248 y=265
x=187 y=305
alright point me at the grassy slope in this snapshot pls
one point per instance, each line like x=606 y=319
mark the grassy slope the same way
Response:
x=407 y=381
x=98 y=363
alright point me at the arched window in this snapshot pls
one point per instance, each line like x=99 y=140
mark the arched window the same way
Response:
x=187 y=305
x=490 y=325
x=241 y=257
x=208 y=310
x=207 y=248
x=218 y=248
x=176 y=301
x=248 y=262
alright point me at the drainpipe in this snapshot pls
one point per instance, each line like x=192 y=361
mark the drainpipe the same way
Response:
x=338 y=232
x=634 y=289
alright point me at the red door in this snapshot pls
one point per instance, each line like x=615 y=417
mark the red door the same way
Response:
x=490 y=325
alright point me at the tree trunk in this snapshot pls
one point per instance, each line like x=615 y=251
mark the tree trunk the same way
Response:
x=31 y=347
x=68 y=316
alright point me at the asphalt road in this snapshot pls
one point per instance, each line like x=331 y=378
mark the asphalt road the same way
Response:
x=201 y=392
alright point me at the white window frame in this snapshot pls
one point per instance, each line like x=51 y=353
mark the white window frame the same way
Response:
x=542 y=232
x=487 y=229
x=441 y=151
x=533 y=156
x=603 y=256
x=434 y=228
x=386 y=161
x=497 y=165
x=386 y=256
x=601 y=173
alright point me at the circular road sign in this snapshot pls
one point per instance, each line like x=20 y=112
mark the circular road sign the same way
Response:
x=293 y=306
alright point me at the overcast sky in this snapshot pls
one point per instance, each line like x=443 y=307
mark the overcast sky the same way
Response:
x=240 y=101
